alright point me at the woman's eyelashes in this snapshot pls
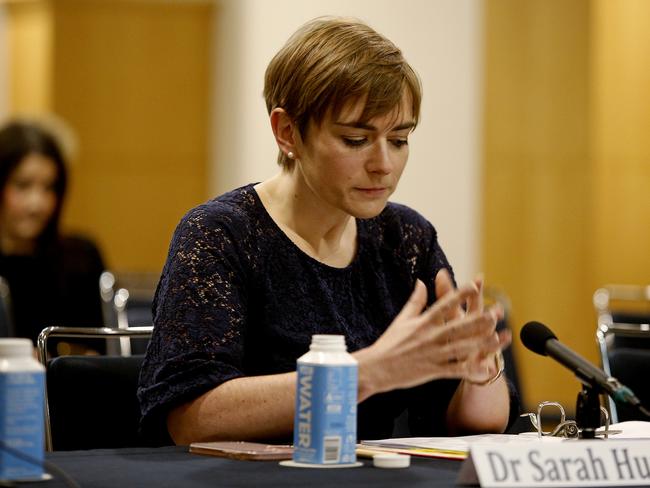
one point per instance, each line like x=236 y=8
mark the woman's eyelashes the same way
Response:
x=360 y=141
x=399 y=142
x=354 y=141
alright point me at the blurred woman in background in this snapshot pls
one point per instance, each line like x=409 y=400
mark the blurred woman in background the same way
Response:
x=53 y=279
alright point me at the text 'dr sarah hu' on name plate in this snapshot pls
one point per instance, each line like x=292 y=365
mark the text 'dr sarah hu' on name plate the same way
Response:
x=575 y=463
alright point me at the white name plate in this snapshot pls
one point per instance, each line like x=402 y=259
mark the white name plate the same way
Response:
x=558 y=464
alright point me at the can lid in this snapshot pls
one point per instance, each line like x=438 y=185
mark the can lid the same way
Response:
x=327 y=342
x=15 y=347
x=391 y=460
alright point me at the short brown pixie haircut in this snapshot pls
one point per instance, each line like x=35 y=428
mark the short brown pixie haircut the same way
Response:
x=331 y=61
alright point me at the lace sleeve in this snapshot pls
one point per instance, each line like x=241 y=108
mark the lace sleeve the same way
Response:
x=419 y=244
x=199 y=316
x=436 y=260
x=427 y=403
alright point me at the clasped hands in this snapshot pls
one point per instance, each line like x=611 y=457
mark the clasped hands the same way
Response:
x=455 y=337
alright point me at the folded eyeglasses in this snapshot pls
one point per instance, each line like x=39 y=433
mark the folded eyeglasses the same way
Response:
x=565 y=428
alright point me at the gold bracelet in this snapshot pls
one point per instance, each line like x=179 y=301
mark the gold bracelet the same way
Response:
x=500 y=364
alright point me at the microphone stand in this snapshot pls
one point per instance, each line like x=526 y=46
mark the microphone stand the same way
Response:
x=588 y=412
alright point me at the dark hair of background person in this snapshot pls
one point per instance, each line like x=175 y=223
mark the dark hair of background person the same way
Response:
x=18 y=140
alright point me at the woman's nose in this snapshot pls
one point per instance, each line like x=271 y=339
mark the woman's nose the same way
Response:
x=39 y=199
x=380 y=160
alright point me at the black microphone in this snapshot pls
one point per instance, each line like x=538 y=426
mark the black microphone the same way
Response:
x=539 y=338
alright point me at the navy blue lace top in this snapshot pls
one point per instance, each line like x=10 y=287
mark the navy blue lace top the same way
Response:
x=238 y=298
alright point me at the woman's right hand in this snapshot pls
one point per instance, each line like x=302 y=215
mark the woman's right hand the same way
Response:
x=441 y=341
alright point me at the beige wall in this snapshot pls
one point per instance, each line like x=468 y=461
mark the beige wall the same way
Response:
x=621 y=141
x=132 y=81
x=132 y=77
x=537 y=178
x=441 y=39
x=30 y=44
x=566 y=165
x=4 y=64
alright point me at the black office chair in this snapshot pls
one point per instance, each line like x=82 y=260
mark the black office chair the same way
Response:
x=623 y=336
x=90 y=401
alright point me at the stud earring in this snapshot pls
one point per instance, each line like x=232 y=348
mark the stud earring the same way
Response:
x=291 y=155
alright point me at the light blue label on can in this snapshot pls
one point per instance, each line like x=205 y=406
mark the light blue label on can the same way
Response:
x=325 y=426
x=21 y=424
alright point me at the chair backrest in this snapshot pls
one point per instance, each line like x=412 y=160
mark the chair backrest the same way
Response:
x=91 y=401
x=623 y=336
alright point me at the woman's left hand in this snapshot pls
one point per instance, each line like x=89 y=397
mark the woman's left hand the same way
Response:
x=481 y=369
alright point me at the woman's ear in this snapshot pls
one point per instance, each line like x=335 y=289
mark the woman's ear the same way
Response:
x=285 y=132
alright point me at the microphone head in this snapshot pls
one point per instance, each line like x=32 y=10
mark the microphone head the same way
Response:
x=534 y=336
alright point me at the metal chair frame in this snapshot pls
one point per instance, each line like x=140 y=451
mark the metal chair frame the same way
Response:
x=608 y=329
x=76 y=333
x=120 y=295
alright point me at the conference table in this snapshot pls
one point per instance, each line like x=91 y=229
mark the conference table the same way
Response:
x=177 y=467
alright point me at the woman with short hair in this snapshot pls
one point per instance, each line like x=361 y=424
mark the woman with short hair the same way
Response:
x=318 y=249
